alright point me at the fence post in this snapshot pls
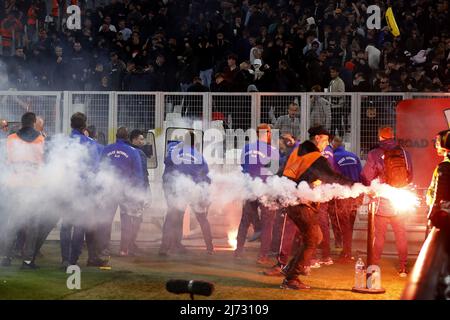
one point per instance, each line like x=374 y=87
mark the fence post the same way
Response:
x=206 y=111
x=305 y=110
x=159 y=112
x=355 y=130
x=58 y=120
x=67 y=97
x=112 y=119
x=254 y=109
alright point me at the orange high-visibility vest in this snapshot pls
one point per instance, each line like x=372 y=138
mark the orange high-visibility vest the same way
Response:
x=21 y=152
x=297 y=165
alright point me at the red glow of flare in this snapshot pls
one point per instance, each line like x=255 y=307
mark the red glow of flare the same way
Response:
x=402 y=200
x=232 y=241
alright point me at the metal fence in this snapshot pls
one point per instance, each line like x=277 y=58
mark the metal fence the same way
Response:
x=45 y=104
x=354 y=116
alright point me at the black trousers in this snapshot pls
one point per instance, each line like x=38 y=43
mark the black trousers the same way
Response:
x=172 y=232
x=307 y=221
x=249 y=217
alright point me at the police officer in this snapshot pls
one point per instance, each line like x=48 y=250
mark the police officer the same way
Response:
x=183 y=160
x=349 y=165
x=257 y=158
x=80 y=223
x=131 y=220
x=126 y=164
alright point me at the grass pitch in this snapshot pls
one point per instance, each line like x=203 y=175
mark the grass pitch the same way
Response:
x=144 y=277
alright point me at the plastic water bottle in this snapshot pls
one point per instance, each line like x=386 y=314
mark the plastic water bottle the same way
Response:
x=375 y=281
x=360 y=274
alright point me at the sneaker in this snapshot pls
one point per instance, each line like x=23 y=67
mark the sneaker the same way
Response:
x=123 y=253
x=6 y=262
x=29 y=266
x=255 y=236
x=238 y=254
x=64 y=265
x=264 y=260
x=403 y=272
x=326 y=261
x=315 y=264
x=210 y=252
x=275 y=271
x=305 y=271
x=294 y=284
x=97 y=263
x=180 y=249
x=345 y=259
x=163 y=253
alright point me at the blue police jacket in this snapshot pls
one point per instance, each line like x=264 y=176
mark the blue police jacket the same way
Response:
x=348 y=164
x=185 y=160
x=94 y=148
x=328 y=153
x=256 y=159
x=126 y=160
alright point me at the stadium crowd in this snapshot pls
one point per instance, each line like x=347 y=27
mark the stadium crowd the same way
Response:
x=225 y=46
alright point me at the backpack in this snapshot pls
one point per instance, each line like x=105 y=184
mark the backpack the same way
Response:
x=396 y=167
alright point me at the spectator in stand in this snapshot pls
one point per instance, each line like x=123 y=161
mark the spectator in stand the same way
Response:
x=337 y=102
x=320 y=110
x=197 y=85
x=11 y=29
x=231 y=70
x=59 y=70
x=221 y=84
x=290 y=123
x=360 y=84
x=78 y=68
x=205 y=60
x=139 y=32
x=117 y=69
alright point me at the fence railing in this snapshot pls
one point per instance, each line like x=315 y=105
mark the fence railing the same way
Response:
x=354 y=116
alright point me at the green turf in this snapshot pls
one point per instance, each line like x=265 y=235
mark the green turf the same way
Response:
x=144 y=277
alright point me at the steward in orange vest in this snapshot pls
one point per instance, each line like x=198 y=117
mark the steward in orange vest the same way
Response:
x=307 y=164
x=25 y=155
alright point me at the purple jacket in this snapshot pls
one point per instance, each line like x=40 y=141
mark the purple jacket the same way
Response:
x=328 y=153
x=374 y=168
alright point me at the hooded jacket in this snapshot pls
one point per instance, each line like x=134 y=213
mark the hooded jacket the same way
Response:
x=348 y=164
x=127 y=162
x=94 y=148
x=185 y=160
x=374 y=169
x=257 y=159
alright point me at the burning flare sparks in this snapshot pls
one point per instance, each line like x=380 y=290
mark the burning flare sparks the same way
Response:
x=402 y=200
x=232 y=241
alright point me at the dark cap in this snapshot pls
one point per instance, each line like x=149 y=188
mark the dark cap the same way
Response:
x=317 y=131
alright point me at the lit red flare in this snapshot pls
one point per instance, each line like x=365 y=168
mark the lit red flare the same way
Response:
x=232 y=241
